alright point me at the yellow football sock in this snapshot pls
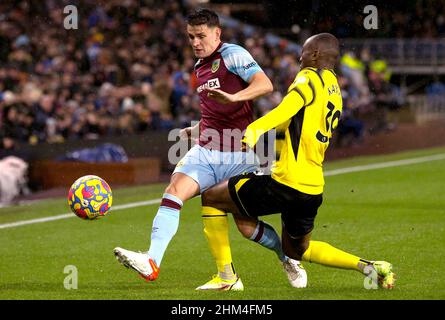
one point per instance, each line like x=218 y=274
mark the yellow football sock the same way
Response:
x=325 y=254
x=216 y=230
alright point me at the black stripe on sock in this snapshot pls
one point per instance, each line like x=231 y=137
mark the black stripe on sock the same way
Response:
x=260 y=231
x=216 y=215
x=233 y=268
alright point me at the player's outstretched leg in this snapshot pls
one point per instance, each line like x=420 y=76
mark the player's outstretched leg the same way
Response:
x=216 y=230
x=265 y=235
x=165 y=225
x=325 y=254
x=251 y=228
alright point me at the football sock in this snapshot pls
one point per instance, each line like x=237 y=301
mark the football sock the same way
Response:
x=325 y=254
x=165 y=225
x=216 y=230
x=266 y=236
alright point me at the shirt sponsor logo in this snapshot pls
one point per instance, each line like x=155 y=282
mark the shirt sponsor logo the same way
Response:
x=210 y=84
x=250 y=65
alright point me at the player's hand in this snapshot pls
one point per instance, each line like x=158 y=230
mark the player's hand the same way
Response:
x=221 y=96
x=186 y=133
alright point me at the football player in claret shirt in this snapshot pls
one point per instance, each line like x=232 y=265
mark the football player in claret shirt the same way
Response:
x=228 y=79
x=304 y=122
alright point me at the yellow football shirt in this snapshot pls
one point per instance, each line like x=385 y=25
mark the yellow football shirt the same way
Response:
x=304 y=121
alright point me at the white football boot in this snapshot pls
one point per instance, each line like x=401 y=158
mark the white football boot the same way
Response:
x=140 y=262
x=296 y=274
x=386 y=276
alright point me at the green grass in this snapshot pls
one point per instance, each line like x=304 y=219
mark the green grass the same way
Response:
x=395 y=214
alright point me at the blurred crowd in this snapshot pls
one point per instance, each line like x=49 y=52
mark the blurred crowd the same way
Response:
x=128 y=69
x=368 y=97
x=424 y=19
x=116 y=74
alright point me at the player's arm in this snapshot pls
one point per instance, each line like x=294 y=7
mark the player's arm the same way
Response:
x=240 y=62
x=259 y=85
x=300 y=94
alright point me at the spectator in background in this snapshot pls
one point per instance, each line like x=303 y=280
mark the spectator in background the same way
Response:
x=7 y=145
x=181 y=88
x=384 y=98
x=350 y=128
x=436 y=88
x=370 y=94
x=435 y=93
x=355 y=70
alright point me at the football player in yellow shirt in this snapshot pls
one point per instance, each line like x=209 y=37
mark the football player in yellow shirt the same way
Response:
x=304 y=122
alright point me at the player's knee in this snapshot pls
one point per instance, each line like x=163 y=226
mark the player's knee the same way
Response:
x=172 y=189
x=246 y=226
x=209 y=198
x=246 y=230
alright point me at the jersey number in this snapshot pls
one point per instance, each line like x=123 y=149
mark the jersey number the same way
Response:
x=331 y=123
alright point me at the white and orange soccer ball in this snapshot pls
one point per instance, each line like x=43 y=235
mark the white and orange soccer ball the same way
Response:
x=90 y=197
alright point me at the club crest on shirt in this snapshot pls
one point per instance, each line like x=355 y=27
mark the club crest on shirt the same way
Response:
x=215 y=65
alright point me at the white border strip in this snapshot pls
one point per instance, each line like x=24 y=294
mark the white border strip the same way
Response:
x=381 y=165
x=71 y=215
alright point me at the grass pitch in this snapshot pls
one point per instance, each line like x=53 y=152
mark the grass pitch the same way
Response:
x=395 y=214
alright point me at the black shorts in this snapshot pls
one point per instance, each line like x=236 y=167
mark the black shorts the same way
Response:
x=259 y=195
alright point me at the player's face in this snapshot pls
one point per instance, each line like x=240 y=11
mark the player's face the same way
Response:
x=307 y=55
x=203 y=39
x=305 y=59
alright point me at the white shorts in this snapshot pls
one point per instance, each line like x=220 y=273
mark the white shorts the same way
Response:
x=209 y=167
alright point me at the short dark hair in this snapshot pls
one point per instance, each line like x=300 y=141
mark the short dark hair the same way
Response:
x=203 y=16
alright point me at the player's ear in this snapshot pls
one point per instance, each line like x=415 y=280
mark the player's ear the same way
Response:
x=218 y=33
x=315 y=55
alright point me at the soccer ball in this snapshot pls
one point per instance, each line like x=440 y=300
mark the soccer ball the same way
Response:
x=90 y=197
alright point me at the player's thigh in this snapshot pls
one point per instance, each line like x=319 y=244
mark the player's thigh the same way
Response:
x=237 y=163
x=298 y=214
x=253 y=195
x=196 y=165
x=218 y=196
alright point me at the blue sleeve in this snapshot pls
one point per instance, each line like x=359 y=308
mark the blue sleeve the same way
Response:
x=239 y=61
